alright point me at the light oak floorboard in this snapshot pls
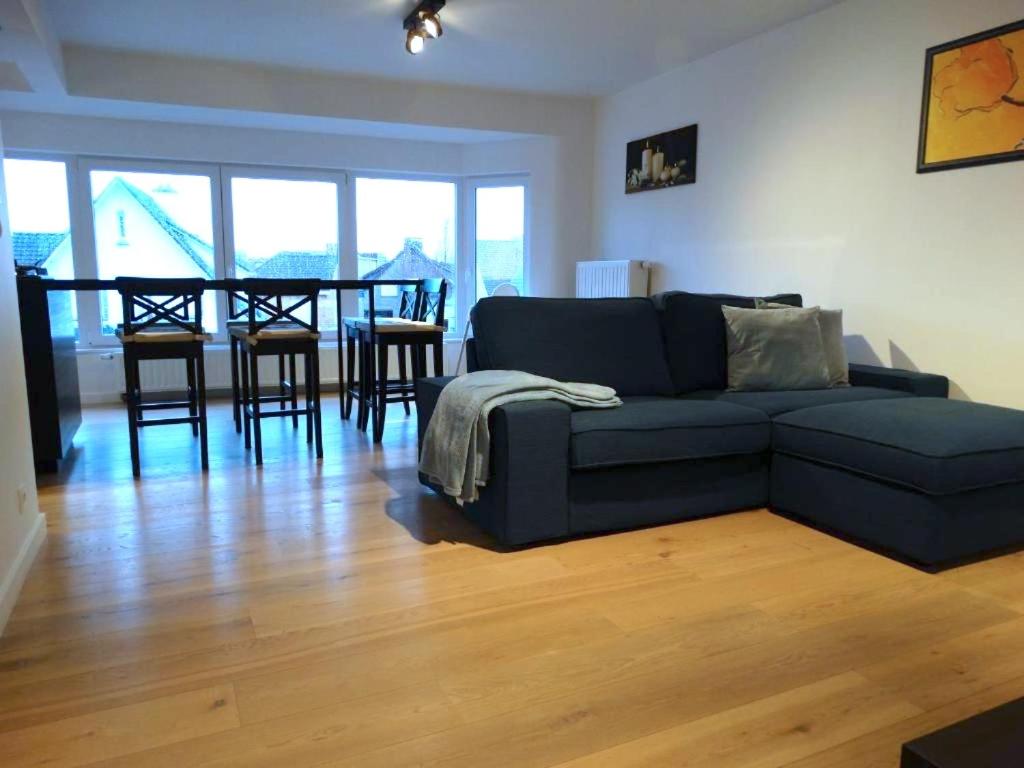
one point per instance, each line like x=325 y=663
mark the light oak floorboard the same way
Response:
x=87 y=739
x=337 y=614
x=768 y=733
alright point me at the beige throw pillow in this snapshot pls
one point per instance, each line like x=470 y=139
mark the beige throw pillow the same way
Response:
x=831 y=322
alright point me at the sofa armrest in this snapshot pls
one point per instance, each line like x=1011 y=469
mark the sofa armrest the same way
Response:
x=919 y=384
x=526 y=498
x=529 y=481
x=428 y=390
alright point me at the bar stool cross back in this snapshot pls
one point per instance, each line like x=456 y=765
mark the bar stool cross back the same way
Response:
x=163 y=320
x=282 y=321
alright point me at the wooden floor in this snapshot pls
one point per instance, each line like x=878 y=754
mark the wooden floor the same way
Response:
x=334 y=614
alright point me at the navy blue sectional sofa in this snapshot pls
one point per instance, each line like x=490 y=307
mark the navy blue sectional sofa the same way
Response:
x=682 y=447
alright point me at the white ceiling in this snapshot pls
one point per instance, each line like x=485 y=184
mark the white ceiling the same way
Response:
x=577 y=47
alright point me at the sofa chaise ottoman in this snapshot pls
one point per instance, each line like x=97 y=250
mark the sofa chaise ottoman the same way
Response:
x=934 y=481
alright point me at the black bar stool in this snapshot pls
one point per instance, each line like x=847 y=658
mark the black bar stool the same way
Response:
x=354 y=390
x=238 y=325
x=276 y=326
x=163 y=320
x=378 y=335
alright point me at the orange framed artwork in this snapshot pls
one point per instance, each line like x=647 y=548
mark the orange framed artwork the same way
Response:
x=973 y=110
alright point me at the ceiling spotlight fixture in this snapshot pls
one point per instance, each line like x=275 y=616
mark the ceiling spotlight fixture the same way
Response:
x=432 y=25
x=414 y=41
x=423 y=23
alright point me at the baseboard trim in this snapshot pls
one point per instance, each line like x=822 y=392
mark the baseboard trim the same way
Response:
x=13 y=580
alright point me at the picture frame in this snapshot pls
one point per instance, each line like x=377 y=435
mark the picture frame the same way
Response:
x=662 y=160
x=967 y=119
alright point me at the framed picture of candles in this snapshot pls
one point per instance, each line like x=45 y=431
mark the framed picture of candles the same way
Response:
x=661 y=161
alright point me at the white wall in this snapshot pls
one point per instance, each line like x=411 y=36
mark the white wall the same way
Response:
x=807 y=182
x=22 y=527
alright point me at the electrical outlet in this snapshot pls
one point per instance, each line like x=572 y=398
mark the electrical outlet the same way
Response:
x=22 y=499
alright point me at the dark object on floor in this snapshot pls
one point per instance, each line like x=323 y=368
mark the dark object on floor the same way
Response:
x=993 y=739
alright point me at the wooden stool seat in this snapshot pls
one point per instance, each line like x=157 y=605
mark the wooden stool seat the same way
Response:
x=271 y=334
x=398 y=325
x=159 y=337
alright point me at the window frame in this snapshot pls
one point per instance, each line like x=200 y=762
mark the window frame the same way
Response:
x=87 y=257
x=467 y=273
x=78 y=168
x=462 y=309
x=70 y=175
x=229 y=172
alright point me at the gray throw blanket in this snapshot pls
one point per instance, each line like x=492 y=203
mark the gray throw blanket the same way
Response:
x=457 y=443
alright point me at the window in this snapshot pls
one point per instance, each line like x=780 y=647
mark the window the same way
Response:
x=286 y=228
x=152 y=224
x=37 y=202
x=37 y=199
x=162 y=219
x=405 y=230
x=499 y=236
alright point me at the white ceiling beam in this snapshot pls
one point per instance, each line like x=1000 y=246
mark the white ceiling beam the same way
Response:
x=28 y=41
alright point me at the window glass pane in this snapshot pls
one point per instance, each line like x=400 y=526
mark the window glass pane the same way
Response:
x=37 y=202
x=287 y=229
x=152 y=225
x=500 y=217
x=405 y=229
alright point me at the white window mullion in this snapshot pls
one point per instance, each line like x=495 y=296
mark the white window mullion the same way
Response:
x=83 y=248
x=347 y=237
x=467 y=253
x=222 y=262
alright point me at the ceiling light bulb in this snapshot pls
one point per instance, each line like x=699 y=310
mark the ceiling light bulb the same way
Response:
x=431 y=24
x=414 y=41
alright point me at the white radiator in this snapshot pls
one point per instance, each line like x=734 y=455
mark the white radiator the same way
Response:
x=612 y=279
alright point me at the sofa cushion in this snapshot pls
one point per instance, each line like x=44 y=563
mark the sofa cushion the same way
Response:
x=932 y=445
x=614 y=342
x=775 y=403
x=694 y=331
x=776 y=350
x=647 y=430
x=831 y=322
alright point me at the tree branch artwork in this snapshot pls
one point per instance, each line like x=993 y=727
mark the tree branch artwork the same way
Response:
x=980 y=78
x=974 y=101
